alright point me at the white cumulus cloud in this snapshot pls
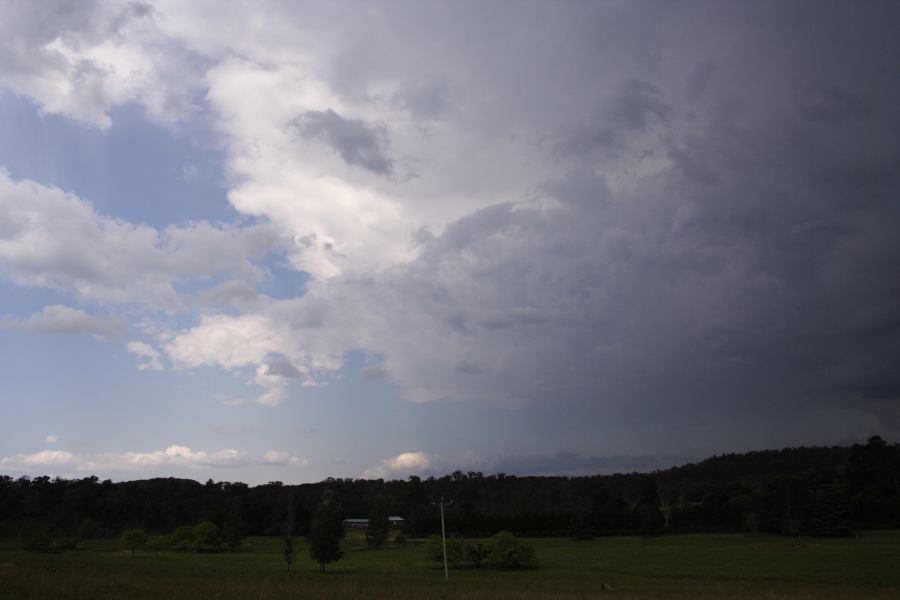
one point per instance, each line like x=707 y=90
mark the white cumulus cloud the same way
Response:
x=400 y=466
x=277 y=458
x=148 y=355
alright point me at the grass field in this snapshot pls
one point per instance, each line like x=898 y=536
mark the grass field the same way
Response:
x=685 y=566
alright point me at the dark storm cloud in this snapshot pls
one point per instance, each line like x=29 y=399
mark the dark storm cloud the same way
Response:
x=831 y=104
x=699 y=79
x=752 y=280
x=359 y=143
x=636 y=106
x=426 y=101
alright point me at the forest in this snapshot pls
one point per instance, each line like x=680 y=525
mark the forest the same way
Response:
x=827 y=491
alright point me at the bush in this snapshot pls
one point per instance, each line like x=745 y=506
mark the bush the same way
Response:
x=42 y=541
x=182 y=538
x=506 y=551
x=434 y=549
x=206 y=538
x=400 y=540
x=476 y=553
x=134 y=539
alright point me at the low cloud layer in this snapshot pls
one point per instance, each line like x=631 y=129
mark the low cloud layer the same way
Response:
x=178 y=457
x=561 y=463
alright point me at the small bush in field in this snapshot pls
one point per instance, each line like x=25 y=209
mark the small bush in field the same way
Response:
x=206 y=538
x=506 y=551
x=134 y=539
x=434 y=549
x=182 y=538
x=476 y=553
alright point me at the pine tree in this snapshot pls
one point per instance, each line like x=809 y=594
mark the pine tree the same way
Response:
x=233 y=529
x=831 y=513
x=379 y=524
x=327 y=531
x=287 y=535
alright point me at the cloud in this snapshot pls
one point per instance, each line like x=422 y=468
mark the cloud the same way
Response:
x=265 y=341
x=406 y=463
x=231 y=401
x=661 y=241
x=82 y=60
x=51 y=439
x=636 y=107
x=49 y=238
x=58 y=319
x=426 y=101
x=281 y=459
x=359 y=143
x=38 y=460
x=560 y=463
x=174 y=456
x=150 y=357
x=573 y=464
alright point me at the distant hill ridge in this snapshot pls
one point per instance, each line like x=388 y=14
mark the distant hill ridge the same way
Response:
x=782 y=491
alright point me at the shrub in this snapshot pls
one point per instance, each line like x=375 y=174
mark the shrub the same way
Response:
x=182 y=538
x=134 y=539
x=206 y=538
x=434 y=549
x=400 y=540
x=476 y=553
x=506 y=551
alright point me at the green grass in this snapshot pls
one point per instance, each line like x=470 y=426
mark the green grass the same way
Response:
x=685 y=566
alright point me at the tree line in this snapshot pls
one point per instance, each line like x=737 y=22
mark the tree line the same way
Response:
x=794 y=491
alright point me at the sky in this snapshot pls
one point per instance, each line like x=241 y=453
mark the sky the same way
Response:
x=284 y=241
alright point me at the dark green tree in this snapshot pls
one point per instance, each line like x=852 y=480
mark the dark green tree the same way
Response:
x=134 y=539
x=379 y=524
x=287 y=536
x=652 y=519
x=434 y=549
x=182 y=538
x=327 y=531
x=831 y=512
x=233 y=528
x=580 y=528
x=206 y=537
x=476 y=553
x=88 y=529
